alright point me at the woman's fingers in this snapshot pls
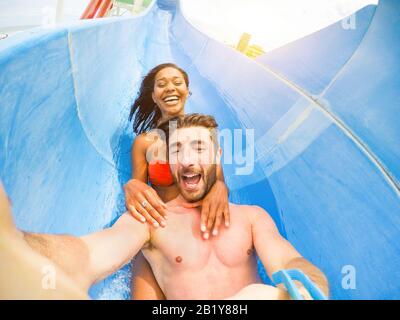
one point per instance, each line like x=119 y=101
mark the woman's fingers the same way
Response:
x=211 y=216
x=156 y=197
x=218 y=220
x=227 y=215
x=147 y=216
x=155 y=201
x=147 y=210
x=136 y=214
x=143 y=202
x=203 y=219
x=221 y=213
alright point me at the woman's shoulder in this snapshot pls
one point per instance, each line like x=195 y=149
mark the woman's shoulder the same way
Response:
x=145 y=139
x=141 y=137
x=140 y=142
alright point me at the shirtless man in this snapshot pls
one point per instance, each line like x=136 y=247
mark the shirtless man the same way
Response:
x=185 y=265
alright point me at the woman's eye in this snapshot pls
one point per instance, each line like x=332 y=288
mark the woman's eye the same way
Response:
x=178 y=83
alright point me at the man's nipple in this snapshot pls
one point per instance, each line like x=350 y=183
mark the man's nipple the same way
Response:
x=178 y=259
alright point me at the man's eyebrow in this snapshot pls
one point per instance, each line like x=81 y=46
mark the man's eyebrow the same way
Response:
x=174 y=145
x=198 y=142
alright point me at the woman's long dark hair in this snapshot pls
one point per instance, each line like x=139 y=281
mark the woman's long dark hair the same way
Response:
x=146 y=112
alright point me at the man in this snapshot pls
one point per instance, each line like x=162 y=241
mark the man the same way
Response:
x=185 y=265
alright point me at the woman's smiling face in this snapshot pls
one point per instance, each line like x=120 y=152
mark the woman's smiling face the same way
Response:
x=170 y=92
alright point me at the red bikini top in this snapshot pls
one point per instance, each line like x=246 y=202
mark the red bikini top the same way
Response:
x=160 y=174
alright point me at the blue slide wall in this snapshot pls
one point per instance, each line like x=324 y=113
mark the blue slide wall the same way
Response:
x=322 y=110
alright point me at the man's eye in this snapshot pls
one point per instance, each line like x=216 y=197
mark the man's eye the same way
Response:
x=178 y=83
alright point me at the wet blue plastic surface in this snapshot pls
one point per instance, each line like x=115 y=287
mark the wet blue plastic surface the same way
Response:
x=326 y=134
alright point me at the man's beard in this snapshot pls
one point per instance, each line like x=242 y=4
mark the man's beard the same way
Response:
x=209 y=177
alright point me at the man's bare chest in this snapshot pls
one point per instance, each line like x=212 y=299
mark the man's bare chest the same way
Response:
x=180 y=244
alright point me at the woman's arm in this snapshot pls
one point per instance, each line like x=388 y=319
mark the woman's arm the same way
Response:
x=220 y=173
x=144 y=285
x=138 y=158
x=216 y=204
x=141 y=200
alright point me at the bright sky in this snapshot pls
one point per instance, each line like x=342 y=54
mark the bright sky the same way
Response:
x=271 y=23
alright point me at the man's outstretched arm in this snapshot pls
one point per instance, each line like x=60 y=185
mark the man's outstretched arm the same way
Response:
x=276 y=253
x=91 y=258
x=112 y=248
x=77 y=261
x=21 y=267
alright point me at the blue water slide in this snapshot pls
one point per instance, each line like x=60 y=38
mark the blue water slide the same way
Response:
x=321 y=113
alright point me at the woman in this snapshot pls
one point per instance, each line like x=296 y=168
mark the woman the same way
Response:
x=162 y=95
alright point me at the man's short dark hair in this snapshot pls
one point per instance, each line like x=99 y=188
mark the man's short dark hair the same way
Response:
x=191 y=120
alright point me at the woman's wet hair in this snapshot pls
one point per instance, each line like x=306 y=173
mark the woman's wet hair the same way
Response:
x=145 y=112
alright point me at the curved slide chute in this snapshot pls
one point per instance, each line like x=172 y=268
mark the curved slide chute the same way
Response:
x=325 y=150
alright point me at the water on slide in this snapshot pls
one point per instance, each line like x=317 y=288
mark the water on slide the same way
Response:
x=323 y=113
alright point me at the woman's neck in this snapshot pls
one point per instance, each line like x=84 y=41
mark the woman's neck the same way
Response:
x=166 y=117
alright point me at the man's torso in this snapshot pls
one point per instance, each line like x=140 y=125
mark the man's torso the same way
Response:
x=188 y=267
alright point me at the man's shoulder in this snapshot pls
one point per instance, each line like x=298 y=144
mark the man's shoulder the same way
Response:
x=247 y=207
x=252 y=210
x=127 y=221
x=254 y=213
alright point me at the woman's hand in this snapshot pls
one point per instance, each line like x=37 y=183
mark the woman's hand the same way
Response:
x=144 y=204
x=214 y=207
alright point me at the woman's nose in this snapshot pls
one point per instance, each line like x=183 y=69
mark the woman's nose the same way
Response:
x=170 y=87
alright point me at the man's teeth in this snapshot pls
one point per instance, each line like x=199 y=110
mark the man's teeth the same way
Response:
x=190 y=175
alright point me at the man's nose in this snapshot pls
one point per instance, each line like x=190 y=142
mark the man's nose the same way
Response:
x=187 y=158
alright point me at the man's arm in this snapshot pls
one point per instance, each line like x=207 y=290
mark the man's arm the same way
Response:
x=112 y=248
x=276 y=253
x=77 y=262
x=91 y=258
x=23 y=270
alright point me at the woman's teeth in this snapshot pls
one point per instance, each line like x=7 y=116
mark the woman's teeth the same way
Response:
x=171 y=100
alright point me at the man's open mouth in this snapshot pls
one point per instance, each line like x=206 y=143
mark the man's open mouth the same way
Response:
x=171 y=100
x=190 y=180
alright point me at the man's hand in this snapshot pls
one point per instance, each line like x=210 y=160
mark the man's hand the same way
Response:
x=304 y=292
x=214 y=208
x=312 y=272
x=144 y=204
x=276 y=253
